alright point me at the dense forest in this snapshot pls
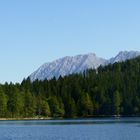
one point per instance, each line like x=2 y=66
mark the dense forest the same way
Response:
x=109 y=90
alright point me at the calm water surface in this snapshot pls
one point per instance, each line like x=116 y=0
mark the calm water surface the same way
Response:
x=79 y=129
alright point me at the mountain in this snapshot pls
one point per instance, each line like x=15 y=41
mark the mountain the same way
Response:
x=66 y=66
x=123 y=56
x=76 y=64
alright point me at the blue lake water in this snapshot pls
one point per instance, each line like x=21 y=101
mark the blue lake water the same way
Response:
x=79 y=129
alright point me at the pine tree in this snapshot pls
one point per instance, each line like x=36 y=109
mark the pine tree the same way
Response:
x=15 y=104
x=85 y=105
x=57 y=108
x=3 y=104
x=116 y=103
x=29 y=105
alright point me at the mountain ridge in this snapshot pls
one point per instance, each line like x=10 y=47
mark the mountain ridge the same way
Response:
x=76 y=64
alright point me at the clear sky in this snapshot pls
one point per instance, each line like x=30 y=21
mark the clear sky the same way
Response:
x=33 y=32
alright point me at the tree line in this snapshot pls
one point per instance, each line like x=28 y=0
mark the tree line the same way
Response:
x=109 y=90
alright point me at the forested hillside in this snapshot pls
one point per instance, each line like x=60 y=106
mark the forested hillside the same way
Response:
x=110 y=90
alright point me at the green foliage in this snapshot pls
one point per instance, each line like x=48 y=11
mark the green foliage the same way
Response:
x=85 y=105
x=29 y=104
x=43 y=108
x=3 y=104
x=109 y=90
x=57 y=108
x=70 y=107
x=116 y=103
x=15 y=104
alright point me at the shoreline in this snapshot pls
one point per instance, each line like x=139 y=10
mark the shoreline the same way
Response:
x=63 y=118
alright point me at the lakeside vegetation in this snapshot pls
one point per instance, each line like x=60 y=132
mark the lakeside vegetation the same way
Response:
x=109 y=90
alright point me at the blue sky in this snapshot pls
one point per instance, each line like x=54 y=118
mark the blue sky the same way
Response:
x=36 y=31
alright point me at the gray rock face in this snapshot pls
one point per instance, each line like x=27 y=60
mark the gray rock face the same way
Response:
x=123 y=56
x=69 y=65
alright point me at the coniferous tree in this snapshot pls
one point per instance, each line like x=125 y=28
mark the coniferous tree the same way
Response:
x=15 y=104
x=56 y=107
x=29 y=105
x=116 y=103
x=3 y=104
x=85 y=105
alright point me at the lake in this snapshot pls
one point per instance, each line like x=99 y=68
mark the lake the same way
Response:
x=74 y=129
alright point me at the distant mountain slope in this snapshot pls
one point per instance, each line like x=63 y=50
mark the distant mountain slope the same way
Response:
x=77 y=64
x=66 y=66
x=123 y=56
